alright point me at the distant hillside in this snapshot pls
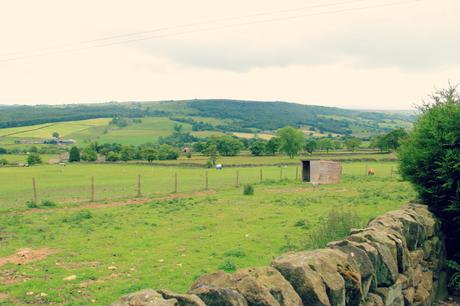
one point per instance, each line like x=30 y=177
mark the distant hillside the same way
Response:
x=243 y=115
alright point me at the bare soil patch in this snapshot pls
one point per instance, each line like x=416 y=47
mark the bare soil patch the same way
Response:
x=9 y=277
x=24 y=256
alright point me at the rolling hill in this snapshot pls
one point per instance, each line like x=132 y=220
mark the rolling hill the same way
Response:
x=90 y=122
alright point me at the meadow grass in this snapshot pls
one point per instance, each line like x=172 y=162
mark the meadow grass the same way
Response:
x=70 y=185
x=169 y=243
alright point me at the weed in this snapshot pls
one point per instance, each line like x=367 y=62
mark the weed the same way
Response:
x=235 y=253
x=248 y=189
x=228 y=266
x=48 y=203
x=302 y=223
x=31 y=204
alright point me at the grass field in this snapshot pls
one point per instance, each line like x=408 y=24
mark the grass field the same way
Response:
x=114 y=250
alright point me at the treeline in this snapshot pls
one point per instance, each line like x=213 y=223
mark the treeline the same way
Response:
x=117 y=152
x=24 y=115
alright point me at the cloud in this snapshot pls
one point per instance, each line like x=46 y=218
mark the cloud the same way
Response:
x=381 y=45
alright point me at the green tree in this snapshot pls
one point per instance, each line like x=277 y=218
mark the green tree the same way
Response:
x=127 y=153
x=212 y=154
x=311 y=145
x=430 y=160
x=227 y=145
x=352 y=143
x=89 y=154
x=3 y=162
x=74 y=155
x=272 y=146
x=291 y=140
x=34 y=159
x=113 y=156
x=393 y=139
x=55 y=134
x=167 y=152
x=326 y=144
x=258 y=147
x=150 y=154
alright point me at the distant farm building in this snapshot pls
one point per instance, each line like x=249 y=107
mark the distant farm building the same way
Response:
x=318 y=171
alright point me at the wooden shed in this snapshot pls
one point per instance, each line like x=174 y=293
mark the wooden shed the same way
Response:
x=318 y=171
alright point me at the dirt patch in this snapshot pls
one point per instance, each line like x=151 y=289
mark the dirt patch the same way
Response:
x=3 y=297
x=291 y=190
x=24 y=256
x=9 y=277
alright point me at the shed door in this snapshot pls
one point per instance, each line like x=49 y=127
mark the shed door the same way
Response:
x=306 y=171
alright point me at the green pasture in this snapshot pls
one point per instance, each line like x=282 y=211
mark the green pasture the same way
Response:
x=112 y=251
x=70 y=185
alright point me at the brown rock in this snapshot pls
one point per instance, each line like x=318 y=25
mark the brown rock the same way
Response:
x=215 y=296
x=182 y=299
x=295 y=267
x=373 y=300
x=266 y=286
x=147 y=297
x=409 y=295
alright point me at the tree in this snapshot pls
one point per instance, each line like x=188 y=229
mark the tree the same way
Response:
x=352 y=143
x=326 y=144
x=3 y=162
x=34 y=159
x=113 y=157
x=89 y=154
x=74 y=155
x=150 y=154
x=258 y=148
x=126 y=153
x=291 y=141
x=272 y=146
x=167 y=152
x=393 y=139
x=212 y=153
x=227 y=145
x=430 y=160
x=311 y=145
x=55 y=134
x=3 y=151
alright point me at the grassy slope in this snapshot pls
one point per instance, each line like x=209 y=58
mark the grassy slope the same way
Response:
x=169 y=244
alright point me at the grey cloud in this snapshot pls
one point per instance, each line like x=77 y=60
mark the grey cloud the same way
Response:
x=413 y=50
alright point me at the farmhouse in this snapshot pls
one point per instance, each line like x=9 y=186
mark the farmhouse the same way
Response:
x=318 y=171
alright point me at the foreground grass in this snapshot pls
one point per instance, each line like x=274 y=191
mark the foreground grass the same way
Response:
x=116 y=250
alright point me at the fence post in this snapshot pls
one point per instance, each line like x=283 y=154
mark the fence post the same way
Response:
x=92 y=189
x=237 y=178
x=175 y=182
x=139 y=194
x=281 y=173
x=365 y=170
x=206 y=186
x=261 y=175
x=34 y=187
x=296 y=173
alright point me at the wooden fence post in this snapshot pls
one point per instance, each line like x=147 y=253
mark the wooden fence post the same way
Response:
x=206 y=186
x=261 y=175
x=365 y=170
x=281 y=173
x=175 y=182
x=139 y=194
x=92 y=189
x=237 y=178
x=34 y=187
x=296 y=173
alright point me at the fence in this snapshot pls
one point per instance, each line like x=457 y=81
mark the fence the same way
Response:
x=89 y=183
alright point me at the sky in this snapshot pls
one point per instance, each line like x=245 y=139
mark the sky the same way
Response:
x=368 y=54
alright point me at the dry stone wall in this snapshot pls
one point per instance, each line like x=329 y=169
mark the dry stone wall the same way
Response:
x=395 y=260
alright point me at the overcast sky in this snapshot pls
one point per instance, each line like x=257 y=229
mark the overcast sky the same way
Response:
x=372 y=54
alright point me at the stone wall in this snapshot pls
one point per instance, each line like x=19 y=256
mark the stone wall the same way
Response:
x=395 y=260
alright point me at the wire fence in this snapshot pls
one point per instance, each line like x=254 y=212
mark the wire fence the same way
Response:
x=85 y=183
